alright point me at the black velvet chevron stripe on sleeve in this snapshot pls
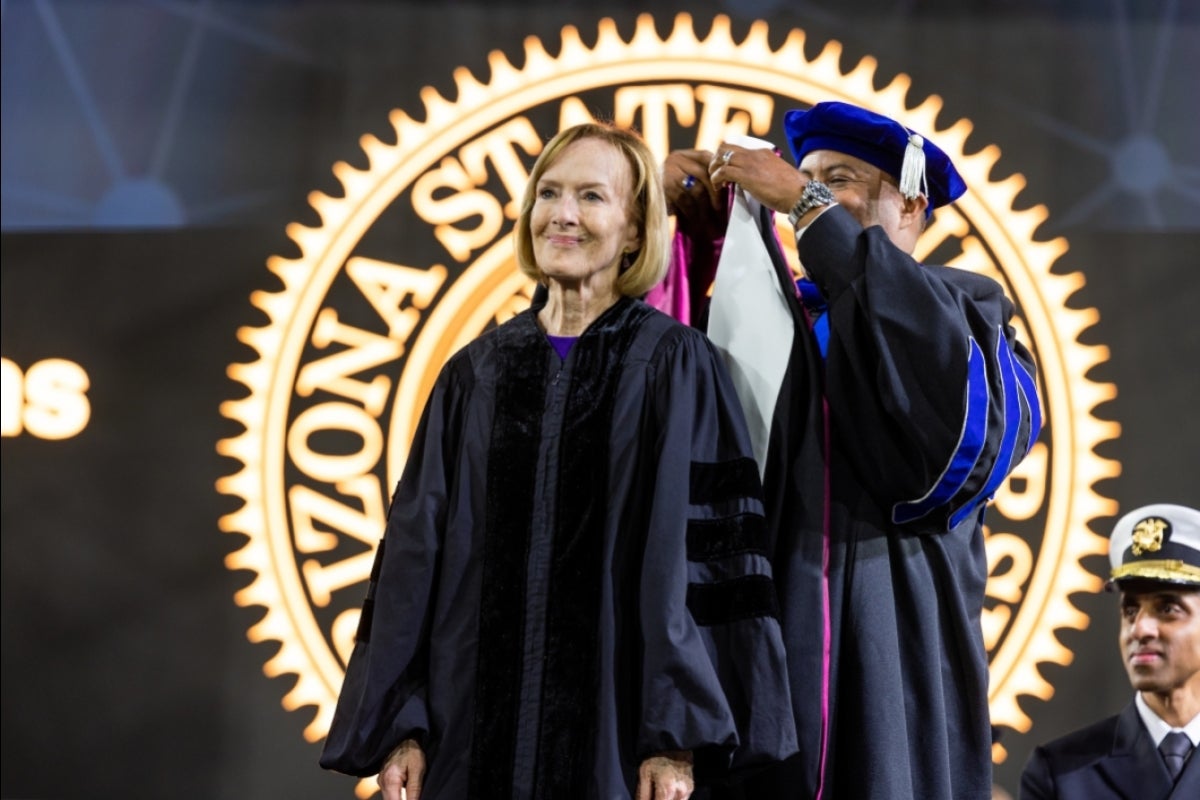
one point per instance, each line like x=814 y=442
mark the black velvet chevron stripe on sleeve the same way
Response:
x=732 y=600
x=713 y=483
x=713 y=539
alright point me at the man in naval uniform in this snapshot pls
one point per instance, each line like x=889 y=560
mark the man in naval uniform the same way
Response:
x=1145 y=752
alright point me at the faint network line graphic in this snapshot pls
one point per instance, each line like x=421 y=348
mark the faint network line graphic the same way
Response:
x=1141 y=164
x=1141 y=168
x=126 y=198
x=1145 y=177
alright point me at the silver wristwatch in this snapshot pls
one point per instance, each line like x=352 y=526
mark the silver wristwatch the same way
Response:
x=815 y=194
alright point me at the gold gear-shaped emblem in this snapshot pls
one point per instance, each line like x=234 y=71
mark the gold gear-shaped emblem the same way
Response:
x=355 y=338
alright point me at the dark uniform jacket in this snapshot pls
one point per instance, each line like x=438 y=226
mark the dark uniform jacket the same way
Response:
x=1114 y=759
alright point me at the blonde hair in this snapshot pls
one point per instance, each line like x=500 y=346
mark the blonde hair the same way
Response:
x=648 y=209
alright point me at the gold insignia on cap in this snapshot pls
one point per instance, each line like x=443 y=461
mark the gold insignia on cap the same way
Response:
x=1148 y=535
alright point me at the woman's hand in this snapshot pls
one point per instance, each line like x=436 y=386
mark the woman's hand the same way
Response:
x=697 y=204
x=667 y=776
x=403 y=771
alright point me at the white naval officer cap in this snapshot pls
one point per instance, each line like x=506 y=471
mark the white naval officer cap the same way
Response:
x=1159 y=542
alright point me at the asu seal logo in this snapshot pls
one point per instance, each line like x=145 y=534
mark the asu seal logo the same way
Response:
x=414 y=259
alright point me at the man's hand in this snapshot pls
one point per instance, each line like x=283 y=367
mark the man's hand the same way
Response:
x=763 y=175
x=403 y=771
x=667 y=776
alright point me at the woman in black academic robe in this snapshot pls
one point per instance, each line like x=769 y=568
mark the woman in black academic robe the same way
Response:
x=572 y=598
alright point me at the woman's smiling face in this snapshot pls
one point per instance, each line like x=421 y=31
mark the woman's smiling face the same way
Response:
x=581 y=221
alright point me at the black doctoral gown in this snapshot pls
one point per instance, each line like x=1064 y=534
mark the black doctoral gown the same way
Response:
x=906 y=403
x=573 y=575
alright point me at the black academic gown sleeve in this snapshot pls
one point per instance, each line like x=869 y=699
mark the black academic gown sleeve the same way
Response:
x=382 y=700
x=714 y=675
x=931 y=396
